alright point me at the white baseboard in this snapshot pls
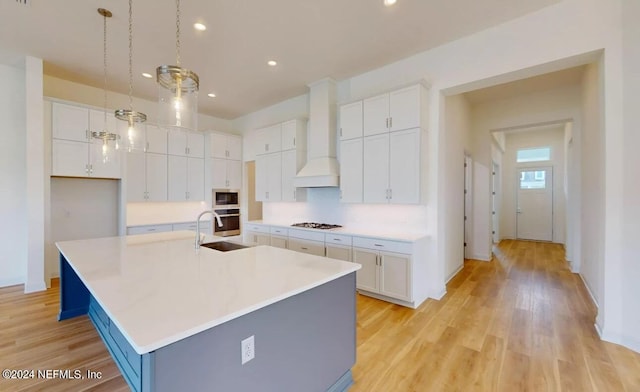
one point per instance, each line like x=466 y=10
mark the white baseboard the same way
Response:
x=454 y=273
x=438 y=295
x=32 y=287
x=593 y=298
x=11 y=281
x=480 y=257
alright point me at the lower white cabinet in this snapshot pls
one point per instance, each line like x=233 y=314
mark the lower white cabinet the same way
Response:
x=205 y=226
x=278 y=241
x=133 y=230
x=338 y=252
x=307 y=246
x=257 y=238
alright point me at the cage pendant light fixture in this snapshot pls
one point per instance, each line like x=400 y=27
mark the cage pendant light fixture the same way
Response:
x=135 y=135
x=177 y=91
x=109 y=140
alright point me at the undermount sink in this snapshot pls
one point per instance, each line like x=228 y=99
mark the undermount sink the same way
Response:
x=223 y=246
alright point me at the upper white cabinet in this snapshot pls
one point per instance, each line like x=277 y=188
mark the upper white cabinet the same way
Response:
x=394 y=111
x=186 y=178
x=156 y=139
x=288 y=159
x=146 y=177
x=381 y=148
x=225 y=146
x=226 y=162
x=351 y=121
x=73 y=152
x=184 y=143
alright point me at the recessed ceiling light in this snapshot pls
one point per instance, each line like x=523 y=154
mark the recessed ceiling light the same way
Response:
x=199 y=26
x=211 y=95
x=147 y=75
x=272 y=63
x=389 y=3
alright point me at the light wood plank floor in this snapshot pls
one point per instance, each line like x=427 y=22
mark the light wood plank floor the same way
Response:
x=522 y=322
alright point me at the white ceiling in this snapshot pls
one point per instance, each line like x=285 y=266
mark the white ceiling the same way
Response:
x=310 y=39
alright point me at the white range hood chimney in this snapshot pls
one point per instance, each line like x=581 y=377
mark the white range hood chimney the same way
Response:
x=321 y=169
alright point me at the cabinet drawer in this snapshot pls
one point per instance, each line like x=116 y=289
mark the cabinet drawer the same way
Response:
x=377 y=244
x=279 y=231
x=133 y=230
x=304 y=246
x=338 y=239
x=102 y=317
x=307 y=235
x=130 y=355
x=257 y=228
x=204 y=226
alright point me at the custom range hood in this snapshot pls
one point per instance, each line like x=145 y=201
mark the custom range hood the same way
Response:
x=321 y=169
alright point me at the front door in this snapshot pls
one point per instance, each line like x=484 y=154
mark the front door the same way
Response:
x=534 y=211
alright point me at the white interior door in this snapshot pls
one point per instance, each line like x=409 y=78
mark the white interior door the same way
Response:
x=468 y=165
x=495 y=178
x=534 y=211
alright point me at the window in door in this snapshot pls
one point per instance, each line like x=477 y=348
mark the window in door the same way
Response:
x=532 y=179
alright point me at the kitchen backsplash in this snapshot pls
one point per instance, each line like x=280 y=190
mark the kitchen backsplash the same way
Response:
x=323 y=205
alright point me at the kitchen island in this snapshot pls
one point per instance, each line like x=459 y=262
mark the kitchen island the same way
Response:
x=174 y=317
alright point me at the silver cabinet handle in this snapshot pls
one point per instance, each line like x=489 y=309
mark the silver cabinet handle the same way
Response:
x=146 y=147
x=294 y=141
x=303 y=248
x=390 y=194
x=337 y=239
x=390 y=122
x=378 y=245
x=386 y=124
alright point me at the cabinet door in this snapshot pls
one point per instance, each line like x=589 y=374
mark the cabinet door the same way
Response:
x=218 y=144
x=376 y=169
x=69 y=158
x=101 y=166
x=156 y=139
x=262 y=182
x=234 y=147
x=177 y=177
x=218 y=173
x=376 y=113
x=404 y=108
x=156 y=173
x=97 y=124
x=177 y=142
x=195 y=144
x=234 y=174
x=339 y=252
x=279 y=242
x=351 y=174
x=274 y=138
x=135 y=177
x=195 y=179
x=274 y=177
x=69 y=122
x=304 y=246
x=404 y=166
x=258 y=238
x=289 y=131
x=289 y=171
x=134 y=230
x=351 y=121
x=395 y=275
x=367 y=276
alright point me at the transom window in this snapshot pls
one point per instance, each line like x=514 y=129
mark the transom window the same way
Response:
x=533 y=154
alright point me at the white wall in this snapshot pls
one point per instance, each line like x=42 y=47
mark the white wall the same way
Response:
x=554 y=138
x=13 y=176
x=593 y=183
x=457 y=136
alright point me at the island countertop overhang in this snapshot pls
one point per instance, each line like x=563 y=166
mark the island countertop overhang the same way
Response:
x=158 y=289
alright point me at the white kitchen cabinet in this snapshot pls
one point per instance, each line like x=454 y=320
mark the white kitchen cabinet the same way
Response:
x=395 y=111
x=225 y=146
x=291 y=163
x=73 y=152
x=376 y=169
x=294 y=135
x=385 y=273
x=257 y=234
x=338 y=252
x=156 y=139
x=205 y=226
x=278 y=241
x=307 y=246
x=269 y=139
x=149 y=229
x=219 y=174
x=351 y=121
x=269 y=177
x=391 y=172
x=351 y=170
x=146 y=177
x=367 y=278
x=185 y=143
x=185 y=178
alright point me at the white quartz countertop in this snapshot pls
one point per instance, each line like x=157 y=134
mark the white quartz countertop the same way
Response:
x=158 y=289
x=383 y=234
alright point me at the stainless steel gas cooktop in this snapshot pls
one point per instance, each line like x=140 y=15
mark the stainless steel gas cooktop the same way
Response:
x=314 y=225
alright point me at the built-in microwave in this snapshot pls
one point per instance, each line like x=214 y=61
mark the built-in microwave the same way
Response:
x=226 y=198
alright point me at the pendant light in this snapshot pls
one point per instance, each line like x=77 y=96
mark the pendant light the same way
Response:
x=177 y=90
x=135 y=140
x=104 y=136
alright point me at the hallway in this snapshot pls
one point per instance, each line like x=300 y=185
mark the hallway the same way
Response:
x=522 y=322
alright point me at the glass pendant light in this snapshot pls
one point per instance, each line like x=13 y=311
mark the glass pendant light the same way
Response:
x=177 y=91
x=109 y=140
x=135 y=140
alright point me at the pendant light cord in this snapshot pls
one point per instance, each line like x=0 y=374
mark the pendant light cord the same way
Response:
x=104 y=41
x=178 y=33
x=131 y=55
